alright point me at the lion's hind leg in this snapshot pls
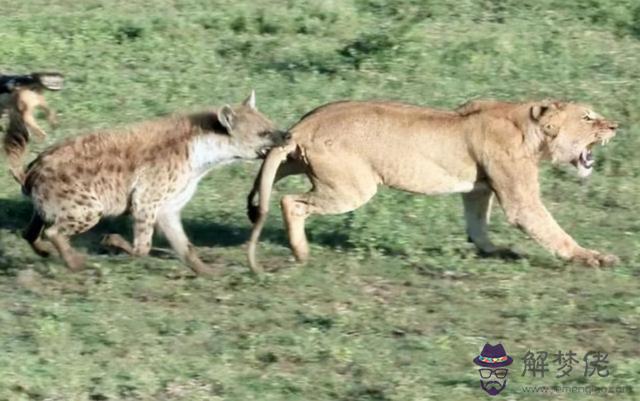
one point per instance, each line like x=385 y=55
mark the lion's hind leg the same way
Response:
x=324 y=198
x=477 y=212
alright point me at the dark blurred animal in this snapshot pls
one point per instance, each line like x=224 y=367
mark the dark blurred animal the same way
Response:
x=20 y=95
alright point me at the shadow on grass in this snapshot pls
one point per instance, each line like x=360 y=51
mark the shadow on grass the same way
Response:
x=16 y=213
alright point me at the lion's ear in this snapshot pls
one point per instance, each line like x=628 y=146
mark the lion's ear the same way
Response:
x=539 y=110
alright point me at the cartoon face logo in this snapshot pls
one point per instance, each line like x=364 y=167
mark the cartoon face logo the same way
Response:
x=493 y=360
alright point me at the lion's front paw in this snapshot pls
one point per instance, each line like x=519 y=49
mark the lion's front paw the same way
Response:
x=593 y=258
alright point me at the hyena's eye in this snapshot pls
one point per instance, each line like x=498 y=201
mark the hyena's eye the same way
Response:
x=262 y=134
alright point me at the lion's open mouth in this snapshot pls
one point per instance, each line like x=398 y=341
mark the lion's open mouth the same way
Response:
x=585 y=161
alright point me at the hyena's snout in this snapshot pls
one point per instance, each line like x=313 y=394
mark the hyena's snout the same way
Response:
x=274 y=139
x=285 y=136
x=279 y=138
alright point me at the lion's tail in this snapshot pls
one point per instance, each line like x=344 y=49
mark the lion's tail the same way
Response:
x=15 y=142
x=265 y=181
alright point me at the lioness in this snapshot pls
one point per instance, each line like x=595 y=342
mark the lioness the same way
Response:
x=20 y=96
x=347 y=149
x=150 y=170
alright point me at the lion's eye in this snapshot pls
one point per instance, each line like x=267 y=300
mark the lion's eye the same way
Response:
x=587 y=117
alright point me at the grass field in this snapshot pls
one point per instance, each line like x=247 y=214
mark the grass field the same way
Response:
x=394 y=304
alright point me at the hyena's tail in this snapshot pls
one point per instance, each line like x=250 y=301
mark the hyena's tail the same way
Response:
x=265 y=182
x=15 y=142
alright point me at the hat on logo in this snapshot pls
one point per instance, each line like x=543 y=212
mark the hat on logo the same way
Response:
x=493 y=356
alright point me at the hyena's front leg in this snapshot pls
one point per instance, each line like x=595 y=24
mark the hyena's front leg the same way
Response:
x=117 y=241
x=170 y=225
x=144 y=216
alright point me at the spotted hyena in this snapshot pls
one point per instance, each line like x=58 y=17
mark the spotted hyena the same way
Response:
x=150 y=170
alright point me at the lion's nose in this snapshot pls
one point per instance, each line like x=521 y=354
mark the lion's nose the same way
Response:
x=613 y=125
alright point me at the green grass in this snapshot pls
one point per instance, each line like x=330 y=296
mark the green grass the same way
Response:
x=394 y=304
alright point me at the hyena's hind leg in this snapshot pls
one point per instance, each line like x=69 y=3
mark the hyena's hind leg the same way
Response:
x=66 y=226
x=33 y=235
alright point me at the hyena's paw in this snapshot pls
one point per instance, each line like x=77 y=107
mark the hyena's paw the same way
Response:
x=116 y=241
x=593 y=258
x=75 y=262
x=198 y=266
x=43 y=248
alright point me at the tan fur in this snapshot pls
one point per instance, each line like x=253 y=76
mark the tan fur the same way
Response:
x=348 y=149
x=21 y=105
x=150 y=170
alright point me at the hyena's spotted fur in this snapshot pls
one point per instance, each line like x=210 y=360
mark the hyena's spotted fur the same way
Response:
x=150 y=170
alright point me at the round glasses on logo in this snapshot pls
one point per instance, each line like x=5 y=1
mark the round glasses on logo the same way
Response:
x=499 y=373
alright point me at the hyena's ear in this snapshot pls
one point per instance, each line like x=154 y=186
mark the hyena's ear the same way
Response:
x=251 y=100
x=227 y=117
